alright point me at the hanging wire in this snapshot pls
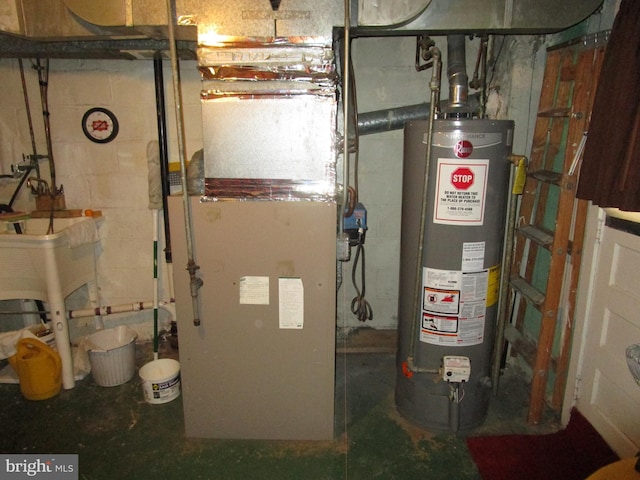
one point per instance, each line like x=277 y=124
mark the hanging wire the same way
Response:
x=43 y=81
x=28 y=109
x=359 y=305
x=34 y=158
x=495 y=62
x=33 y=161
x=356 y=134
x=479 y=80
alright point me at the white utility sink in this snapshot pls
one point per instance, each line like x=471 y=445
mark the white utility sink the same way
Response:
x=49 y=267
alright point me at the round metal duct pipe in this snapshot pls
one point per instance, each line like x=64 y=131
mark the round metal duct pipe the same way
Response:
x=389 y=119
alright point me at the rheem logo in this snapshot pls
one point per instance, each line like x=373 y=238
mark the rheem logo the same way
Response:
x=463 y=149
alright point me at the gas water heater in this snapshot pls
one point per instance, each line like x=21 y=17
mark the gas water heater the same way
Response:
x=446 y=328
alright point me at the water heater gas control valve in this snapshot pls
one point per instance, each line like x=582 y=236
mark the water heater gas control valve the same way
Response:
x=455 y=368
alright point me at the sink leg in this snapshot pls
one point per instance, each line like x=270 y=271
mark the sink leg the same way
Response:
x=59 y=319
x=63 y=343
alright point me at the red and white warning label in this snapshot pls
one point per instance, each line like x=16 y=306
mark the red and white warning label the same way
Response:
x=461 y=187
x=453 y=307
x=441 y=301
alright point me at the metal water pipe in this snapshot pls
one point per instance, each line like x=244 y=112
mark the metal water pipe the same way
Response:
x=346 y=92
x=195 y=281
x=163 y=152
x=434 y=85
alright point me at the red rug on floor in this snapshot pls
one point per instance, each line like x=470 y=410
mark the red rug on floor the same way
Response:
x=573 y=453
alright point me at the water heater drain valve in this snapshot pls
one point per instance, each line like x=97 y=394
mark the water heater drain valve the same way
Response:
x=456 y=369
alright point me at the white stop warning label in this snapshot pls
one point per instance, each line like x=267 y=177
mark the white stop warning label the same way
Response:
x=461 y=187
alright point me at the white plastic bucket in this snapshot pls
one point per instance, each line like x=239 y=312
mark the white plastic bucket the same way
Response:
x=160 y=380
x=44 y=334
x=112 y=354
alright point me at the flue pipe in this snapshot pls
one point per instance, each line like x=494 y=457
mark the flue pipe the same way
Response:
x=379 y=121
x=457 y=72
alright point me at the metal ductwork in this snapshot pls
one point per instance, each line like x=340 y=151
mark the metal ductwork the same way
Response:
x=60 y=20
x=55 y=20
x=395 y=118
x=489 y=16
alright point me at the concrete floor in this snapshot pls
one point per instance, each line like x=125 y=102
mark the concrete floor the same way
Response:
x=118 y=435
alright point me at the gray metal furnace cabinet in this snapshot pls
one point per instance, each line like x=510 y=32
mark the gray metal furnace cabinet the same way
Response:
x=261 y=365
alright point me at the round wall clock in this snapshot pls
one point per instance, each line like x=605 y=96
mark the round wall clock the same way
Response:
x=100 y=125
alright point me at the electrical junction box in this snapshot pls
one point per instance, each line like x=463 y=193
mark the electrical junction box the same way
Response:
x=353 y=223
x=456 y=369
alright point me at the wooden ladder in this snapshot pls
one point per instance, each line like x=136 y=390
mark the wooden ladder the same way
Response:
x=550 y=223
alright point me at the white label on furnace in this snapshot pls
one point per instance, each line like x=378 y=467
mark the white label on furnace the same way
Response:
x=291 y=303
x=254 y=290
x=472 y=256
x=461 y=187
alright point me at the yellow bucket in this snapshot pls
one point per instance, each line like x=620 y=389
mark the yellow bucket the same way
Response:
x=39 y=369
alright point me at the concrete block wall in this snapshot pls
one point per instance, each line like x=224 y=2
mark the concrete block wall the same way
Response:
x=112 y=177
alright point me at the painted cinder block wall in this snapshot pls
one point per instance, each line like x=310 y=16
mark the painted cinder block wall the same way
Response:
x=112 y=177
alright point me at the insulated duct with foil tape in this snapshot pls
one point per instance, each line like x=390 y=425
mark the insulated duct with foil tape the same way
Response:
x=270 y=113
